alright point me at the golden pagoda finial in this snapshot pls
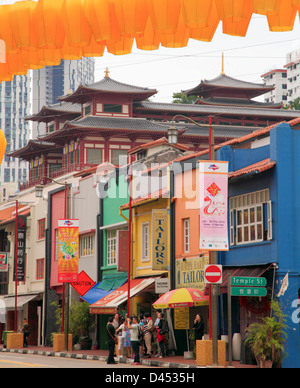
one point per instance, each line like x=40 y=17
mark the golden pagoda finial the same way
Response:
x=222 y=72
x=106 y=73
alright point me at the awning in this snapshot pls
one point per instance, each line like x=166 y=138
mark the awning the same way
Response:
x=101 y=289
x=251 y=271
x=21 y=301
x=110 y=303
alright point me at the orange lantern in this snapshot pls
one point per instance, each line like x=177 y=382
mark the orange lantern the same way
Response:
x=120 y=47
x=296 y=4
x=3 y=144
x=6 y=31
x=69 y=52
x=77 y=28
x=233 y=10
x=180 y=38
x=195 y=12
x=164 y=15
x=15 y=64
x=51 y=57
x=98 y=15
x=131 y=16
x=149 y=40
x=206 y=33
x=236 y=28
x=33 y=59
x=94 y=49
x=285 y=19
x=5 y=75
x=266 y=7
x=48 y=24
x=22 y=24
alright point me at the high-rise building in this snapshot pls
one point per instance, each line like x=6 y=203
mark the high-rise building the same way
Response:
x=52 y=82
x=15 y=104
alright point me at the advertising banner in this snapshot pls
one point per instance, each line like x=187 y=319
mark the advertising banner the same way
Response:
x=21 y=249
x=213 y=182
x=123 y=250
x=160 y=239
x=3 y=262
x=68 y=250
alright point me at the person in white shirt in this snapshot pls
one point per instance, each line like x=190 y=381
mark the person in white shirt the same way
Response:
x=134 y=339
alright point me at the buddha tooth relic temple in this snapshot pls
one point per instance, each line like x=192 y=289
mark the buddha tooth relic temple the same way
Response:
x=101 y=122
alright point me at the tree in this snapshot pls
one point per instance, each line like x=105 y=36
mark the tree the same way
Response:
x=181 y=98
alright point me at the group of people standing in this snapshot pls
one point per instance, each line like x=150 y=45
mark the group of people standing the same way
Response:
x=133 y=335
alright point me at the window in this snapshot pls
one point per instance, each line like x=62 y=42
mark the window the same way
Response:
x=112 y=108
x=145 y=241
x=87 y=110
x=250 y=218
x=41 y=228
x=186 y=235
x=94 y=155
x=40 y=266
x=119 y=157
x=86 y=245
x=111 y=247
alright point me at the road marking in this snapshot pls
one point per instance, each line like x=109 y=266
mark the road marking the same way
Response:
x=22 y=363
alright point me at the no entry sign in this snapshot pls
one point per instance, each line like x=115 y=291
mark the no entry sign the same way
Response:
x=213 y=274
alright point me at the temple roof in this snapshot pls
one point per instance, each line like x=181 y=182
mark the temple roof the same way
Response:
x=33 y=147
x=238 y=102
x=49 y=112
x=224 y=83
x=107 y=85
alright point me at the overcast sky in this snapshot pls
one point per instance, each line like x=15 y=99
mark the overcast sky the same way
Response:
x=171 y=70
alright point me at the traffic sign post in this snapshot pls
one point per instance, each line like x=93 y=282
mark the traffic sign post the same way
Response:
x=213 y=274
x=248 y=291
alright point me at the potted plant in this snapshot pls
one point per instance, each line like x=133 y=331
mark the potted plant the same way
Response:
x=80 y=323
x=267 y=338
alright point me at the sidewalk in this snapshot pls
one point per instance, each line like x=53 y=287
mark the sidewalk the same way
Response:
x=101 y=355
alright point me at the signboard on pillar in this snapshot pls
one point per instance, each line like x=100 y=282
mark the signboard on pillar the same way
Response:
x=68 y=250
x=160 y=239
x=213 y=187
x=21 y=249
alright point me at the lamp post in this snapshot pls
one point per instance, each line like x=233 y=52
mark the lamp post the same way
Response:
x=65 y=304
x=213 y=288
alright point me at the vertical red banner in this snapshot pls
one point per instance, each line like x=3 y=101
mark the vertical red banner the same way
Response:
x=68 y=250
x=123 y=250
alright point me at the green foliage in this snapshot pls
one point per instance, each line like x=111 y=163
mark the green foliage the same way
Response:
x=181 y=98
x=79 y=320
x=267 y=339
x=58 y=314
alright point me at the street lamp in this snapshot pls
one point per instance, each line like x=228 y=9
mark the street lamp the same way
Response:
x=65 y=306
x=213 y=290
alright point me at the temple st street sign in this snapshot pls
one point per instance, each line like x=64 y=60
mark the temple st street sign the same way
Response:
x=246 y=281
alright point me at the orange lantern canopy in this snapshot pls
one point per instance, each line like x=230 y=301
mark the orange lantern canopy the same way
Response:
x=266 y=7
x=195 y=12
x=6 y=31
x=5 y=74
x=164 y=15
x=131 y=16
x=69 y=52
x=206 y=33
x=22 y=24
x=15 y=64
x=149 y=40
x=98 y=15
x=3 y=144
x=48 y=24
x=285 y=19
x=77 y=28
x=120 y=47
x=180 y=38
x=233 y=10
x=94 y=49
x=32 y=59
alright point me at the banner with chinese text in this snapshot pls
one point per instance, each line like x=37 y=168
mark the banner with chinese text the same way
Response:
x=21 y=249
x=68 y=250
x=213 y=182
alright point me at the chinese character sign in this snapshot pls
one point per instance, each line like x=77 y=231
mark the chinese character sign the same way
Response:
x=160 y=239
x=68 y=251
x=21 y=249
x=213 y=182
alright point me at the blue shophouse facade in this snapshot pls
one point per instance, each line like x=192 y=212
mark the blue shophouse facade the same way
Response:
x=264 y=220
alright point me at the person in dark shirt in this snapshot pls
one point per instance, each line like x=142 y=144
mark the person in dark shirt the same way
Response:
x=198 y=327
x=110 y=341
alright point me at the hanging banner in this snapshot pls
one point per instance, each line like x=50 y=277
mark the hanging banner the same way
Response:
x=3 y=262
x=68 y=255
x=21 y=249
x=213 y=182
x=160 y=239
x=123 y=250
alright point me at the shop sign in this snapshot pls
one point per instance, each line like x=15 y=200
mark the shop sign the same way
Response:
x=190 y=272
x=213 y=193
x=3 y=262
x=21 y=249
x=181 y=318
x=162 y=285
x=68 y=246
x=160 y=239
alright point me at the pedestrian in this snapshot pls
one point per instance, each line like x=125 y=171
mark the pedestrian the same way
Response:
x=155 y=331
x=162 y=335
x=111 y=340
x=116 y=323
x=127 y=343
x=148 y=329
x=26 y=332
x=121 y=337
x=141 y=334
x=134 y=339
x=198 y=327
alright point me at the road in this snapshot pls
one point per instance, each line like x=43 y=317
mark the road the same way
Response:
x=15 y=360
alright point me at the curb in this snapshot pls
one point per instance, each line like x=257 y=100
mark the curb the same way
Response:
x=151 y=363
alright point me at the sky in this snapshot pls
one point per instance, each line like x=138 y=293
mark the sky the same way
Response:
x=170 y=70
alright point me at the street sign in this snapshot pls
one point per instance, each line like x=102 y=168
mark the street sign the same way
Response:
x=83 y=284
x=248 y=291
x=248 y=281
x=213 y=274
